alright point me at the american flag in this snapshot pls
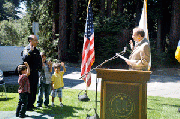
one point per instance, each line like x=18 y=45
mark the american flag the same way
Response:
x=88 y=56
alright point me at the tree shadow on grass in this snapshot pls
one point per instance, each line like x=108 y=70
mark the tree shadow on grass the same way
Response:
x=39 y=117
x=153 y=109
x=59 y=112
x=171 y=105
x=10 y=88
x=163 y=79
x=152 y=99
x=4 y=99
x=71 y=82
x=150 y=109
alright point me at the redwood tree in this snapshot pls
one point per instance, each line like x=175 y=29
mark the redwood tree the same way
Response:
x=62 y=43
x=109 y=8
x=120 y=6
x=74 y=26
x=175 y=25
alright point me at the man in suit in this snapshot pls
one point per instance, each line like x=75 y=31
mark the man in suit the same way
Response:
x=140 y=56
x=32 y=55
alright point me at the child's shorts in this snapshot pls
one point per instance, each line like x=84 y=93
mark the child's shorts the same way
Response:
x=57 y=91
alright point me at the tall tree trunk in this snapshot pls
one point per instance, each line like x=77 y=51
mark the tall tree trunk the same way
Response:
x=159 y=38
x=159 y=28
x=165 y=23
x=62 y=43
x=174 y=32
x=102 y=12
x=55 y=29
x=68 y=21
x=74 y=26
x=108 y=8
x=120 y=6
x=123 y=34
x=102 y=9
x=175 y=25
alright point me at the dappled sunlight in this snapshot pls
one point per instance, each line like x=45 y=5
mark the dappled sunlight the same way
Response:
x=73 y=75
x=76 y=75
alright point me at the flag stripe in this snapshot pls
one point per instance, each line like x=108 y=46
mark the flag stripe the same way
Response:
x=92 y=50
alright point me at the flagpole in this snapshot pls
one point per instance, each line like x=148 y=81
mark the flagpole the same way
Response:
x=89 y=2
x=88 y=47
x=86 y=87
x=88 y=5
x=87 y=31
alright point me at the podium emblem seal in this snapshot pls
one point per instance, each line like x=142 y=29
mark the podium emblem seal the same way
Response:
x=121 y=106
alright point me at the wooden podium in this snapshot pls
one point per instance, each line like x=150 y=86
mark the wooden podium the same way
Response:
x=123 y=93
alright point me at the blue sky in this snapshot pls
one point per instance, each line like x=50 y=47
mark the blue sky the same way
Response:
x=22 y=9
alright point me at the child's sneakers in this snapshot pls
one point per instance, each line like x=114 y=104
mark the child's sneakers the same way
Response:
x=61 y=105
x=52 y=104
x=46 y=106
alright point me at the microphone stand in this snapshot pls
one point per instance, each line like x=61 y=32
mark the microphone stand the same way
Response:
x=114 y=57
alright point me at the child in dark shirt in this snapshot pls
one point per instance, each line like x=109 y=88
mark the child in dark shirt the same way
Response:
x=24 y=89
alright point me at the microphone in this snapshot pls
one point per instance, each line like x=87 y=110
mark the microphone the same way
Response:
x=125 y=49
x=121 y=53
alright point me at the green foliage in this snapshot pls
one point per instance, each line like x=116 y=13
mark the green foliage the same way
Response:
x=157 y=107
x=49 y=47
x=113 y=24
x=108 y=31
x=8 y=33
x=72 y=108
x=43 y=15
x=108 y=35
x=158 y=60
x=72 y=56
x=14 y=32
x=8 y=9
x=162 y=108
x=164 y=59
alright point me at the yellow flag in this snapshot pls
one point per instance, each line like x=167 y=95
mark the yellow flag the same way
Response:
x=177 y=53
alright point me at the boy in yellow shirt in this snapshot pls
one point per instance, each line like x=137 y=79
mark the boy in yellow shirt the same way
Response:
x=57 y=82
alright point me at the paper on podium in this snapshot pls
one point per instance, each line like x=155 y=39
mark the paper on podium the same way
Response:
x=122 y=57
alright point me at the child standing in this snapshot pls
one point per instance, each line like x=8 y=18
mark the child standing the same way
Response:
x=44 y=81
x=24 y=89
x=57 y=82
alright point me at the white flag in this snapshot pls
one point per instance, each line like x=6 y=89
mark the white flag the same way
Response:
x=144 y=26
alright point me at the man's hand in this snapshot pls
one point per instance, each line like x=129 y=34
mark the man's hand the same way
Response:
x=131 y=44
x=28 y=69
x=31 y=46
x=26 y=64
x=50 y=63
x=62 y=63
x=128 y=62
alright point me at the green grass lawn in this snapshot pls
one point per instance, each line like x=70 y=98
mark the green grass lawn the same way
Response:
x=157 y=107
